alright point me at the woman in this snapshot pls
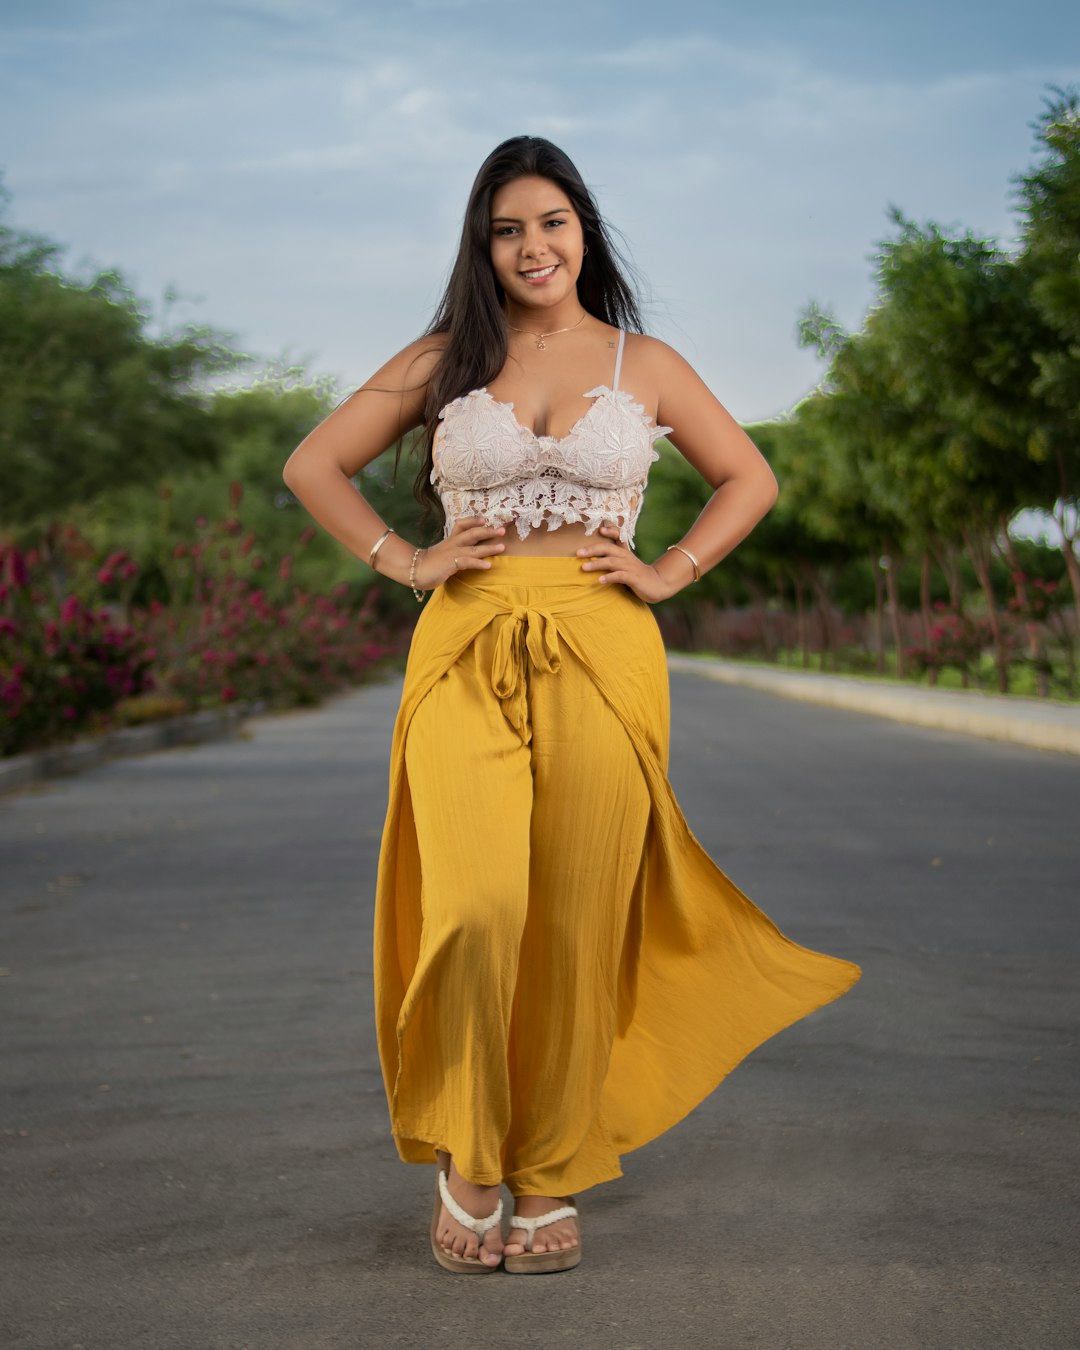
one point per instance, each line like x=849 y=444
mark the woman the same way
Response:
x=562 y=972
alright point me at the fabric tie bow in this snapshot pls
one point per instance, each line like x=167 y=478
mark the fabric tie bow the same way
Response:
x=524 y=635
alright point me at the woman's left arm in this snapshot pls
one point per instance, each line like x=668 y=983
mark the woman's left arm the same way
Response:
x=705 y=434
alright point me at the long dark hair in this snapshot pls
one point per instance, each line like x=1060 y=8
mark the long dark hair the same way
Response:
x=470 y=312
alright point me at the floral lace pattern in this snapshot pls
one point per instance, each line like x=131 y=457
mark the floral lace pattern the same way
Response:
x=485 y=463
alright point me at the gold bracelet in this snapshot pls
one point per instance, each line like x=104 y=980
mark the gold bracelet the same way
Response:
x=697 y=569
x=412 y=577
x=378 y=545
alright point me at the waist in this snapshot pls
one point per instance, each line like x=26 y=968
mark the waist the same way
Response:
x=529 y=569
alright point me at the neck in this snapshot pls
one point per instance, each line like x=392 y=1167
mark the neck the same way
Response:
x=543 y=318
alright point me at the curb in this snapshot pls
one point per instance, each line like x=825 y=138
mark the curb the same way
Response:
x=1021 y=721
x=210 y=724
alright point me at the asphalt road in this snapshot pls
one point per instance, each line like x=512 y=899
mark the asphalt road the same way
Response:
x=195 y=1149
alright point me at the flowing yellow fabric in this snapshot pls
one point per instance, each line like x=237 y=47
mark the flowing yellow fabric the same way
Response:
x=561 y=970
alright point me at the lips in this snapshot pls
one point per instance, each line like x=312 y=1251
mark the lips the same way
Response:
x=540 y=273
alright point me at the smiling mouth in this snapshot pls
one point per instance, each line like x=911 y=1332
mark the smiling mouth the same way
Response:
x=540 y=272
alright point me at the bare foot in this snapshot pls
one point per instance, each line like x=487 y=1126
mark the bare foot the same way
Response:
x=554 y=1237
x=479 y=1201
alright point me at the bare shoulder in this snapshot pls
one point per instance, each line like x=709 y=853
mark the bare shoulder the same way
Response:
x=387 y=405
x=655 y=360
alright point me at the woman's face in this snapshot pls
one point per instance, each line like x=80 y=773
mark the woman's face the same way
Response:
x=536 y=242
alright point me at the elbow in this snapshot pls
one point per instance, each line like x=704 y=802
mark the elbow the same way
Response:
x=770 y=490
x=289 y=473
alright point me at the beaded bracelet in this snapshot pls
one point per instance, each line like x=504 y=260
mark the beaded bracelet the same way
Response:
x=697 y=569
x=412 y=577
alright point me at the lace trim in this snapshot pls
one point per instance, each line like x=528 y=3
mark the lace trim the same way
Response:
x=485 y=463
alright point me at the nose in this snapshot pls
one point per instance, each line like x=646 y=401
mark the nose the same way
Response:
x=533 y=245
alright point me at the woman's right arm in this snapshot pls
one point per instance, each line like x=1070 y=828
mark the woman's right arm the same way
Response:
x=320 y=470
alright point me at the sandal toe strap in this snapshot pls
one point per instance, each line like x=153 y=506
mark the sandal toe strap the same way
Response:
x=541 y=1221
x=477 y=1226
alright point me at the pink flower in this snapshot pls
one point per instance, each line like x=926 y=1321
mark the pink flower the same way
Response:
x=17 y=570
x=69 y=610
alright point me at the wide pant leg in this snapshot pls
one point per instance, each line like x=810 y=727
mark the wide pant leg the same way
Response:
x=528 y=853
x=472 y=799
x=590 y=812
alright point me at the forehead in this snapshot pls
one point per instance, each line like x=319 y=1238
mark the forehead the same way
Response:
x=529 y=196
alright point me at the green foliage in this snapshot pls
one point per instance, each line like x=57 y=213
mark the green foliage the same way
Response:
x=88 y=400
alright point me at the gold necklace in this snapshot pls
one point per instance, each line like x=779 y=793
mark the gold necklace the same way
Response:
x=541 y=345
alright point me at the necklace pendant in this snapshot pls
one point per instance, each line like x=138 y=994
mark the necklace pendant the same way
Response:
x=541 y=345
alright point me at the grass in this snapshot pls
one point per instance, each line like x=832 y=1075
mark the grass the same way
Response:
x=1021 y=677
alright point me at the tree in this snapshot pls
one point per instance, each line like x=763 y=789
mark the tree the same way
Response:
x=1050 y=263
x=88 y=400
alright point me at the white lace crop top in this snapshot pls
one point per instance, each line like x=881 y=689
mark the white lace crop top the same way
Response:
x=485 y=463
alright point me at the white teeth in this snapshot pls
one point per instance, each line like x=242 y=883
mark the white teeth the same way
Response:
x=544 y=272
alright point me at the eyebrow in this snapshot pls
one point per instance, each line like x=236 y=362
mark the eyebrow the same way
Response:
x=513 y=220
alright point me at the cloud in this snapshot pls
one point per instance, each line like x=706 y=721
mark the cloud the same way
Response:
x=301 y=163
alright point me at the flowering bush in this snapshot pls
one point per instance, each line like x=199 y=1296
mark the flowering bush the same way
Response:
x=223 y=625
x=61 y=667
x=957 y=640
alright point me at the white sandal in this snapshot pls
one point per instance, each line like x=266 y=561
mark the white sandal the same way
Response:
x=542 y=1263
x=461 y=1265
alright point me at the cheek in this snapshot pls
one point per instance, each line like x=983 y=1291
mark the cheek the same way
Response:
x=501 y=259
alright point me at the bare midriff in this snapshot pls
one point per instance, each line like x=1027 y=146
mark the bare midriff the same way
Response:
x=563 y=541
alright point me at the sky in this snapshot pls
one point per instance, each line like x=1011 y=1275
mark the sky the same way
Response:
x=296 y=171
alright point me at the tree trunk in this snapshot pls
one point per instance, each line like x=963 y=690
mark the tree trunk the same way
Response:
x=828 y=642
x=1034 y=636
x=894 y=615
x=762 y=616
x=979 y=552
x=1068 y=536
x=948 y=557
x=879 y=616
x=927 y=616
x=1068 y=552
x=800 y=620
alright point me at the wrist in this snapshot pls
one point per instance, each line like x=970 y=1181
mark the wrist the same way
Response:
x=394 y=559
x=675 y=570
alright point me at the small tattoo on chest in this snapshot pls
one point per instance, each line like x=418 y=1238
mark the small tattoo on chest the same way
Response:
x=611 y=344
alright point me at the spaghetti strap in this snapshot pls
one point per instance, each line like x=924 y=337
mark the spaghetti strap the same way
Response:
x=618 y=361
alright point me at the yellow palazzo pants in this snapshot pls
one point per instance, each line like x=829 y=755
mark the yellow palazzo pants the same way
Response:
x=561 y=970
